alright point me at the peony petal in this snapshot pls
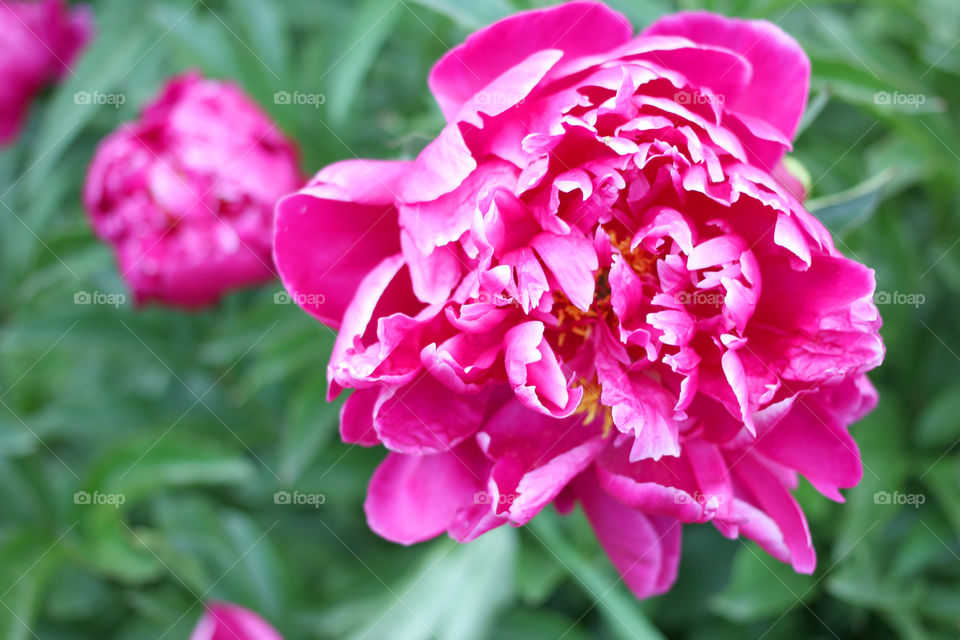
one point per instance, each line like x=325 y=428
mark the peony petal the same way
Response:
x=572 y=261
x=330 y=235
x=770 y=496
x=532 y=465
x=666 y=487
x=641 y=408
x=413 y=498
x=777 y=91
x=812 y=440
x=576 y=29
x=356 y=418
x=424 y=416
x=716 y=251
x=435 y=273
x=644 y=548
x=226 y=621
x=534 y=372
x=359 y=314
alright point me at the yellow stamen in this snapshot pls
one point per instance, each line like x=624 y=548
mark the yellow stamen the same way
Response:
x=573 y=320
x=591 y=406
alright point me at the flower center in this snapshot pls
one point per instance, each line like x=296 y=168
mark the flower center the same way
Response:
x=573 y=320
x=591 y=408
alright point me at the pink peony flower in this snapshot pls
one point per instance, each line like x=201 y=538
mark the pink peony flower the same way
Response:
x=590 y=288
x=41 y=38
x=186 y=194
x=225 y=621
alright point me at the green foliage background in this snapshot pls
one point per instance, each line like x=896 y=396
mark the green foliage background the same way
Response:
x=198 y=418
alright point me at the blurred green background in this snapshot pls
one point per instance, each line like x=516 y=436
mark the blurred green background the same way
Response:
x=199 y=418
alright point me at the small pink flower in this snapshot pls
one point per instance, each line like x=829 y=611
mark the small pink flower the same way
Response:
x=186 y=194
x=226 y=621
x=41 y=38
x=590 y=287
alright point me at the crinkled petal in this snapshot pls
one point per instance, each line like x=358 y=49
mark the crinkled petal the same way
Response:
x=329 y=236
x=356 y=418
x=424 y=416
x=413 y=498
x=576 y=29
x=777 y=91
x=644 y=548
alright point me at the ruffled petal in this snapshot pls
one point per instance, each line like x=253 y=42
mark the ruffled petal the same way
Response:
x=330 y=235
x=778 y=87
x=413 y=498
x=644 y=548
x=575 y=28
x=356 y=418
x=425 y=416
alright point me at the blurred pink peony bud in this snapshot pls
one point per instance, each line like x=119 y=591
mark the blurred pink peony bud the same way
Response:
x=186 y=193
x=226 y=621
x=39 y=41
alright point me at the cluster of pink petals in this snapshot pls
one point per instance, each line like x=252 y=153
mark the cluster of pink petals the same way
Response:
x=226 y=621
x=41 y=38
x=589 y=288
x=186 y=193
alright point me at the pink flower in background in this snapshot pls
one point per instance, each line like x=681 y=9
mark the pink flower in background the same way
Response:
x=186 y=194
x=590 y=288
x=226 y=621
x=40 y=39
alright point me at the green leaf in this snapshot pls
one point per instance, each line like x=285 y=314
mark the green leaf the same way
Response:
x=939 y=423
x=75 y=593
x=372 y=24
x=313 y=422
x=198 y=39
x=814 y=109
x=865 y=589
x=454 y=593
x=150 y=465
x=880 y=440
x=267 y=33
x=760 y=587
x=28 y=559
x=942 y=475
x=844 y=212
x=15 y=439
x=539 y=624
x=538 y=575
x=908 y=626
x=133 y=472
x=102 y=69
x=620 y=609
x=468 y=14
